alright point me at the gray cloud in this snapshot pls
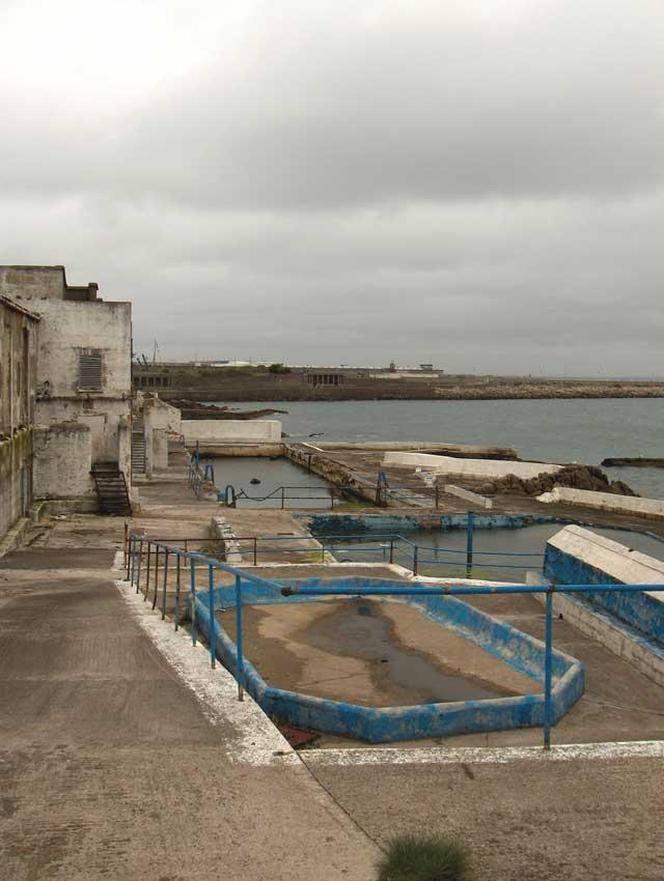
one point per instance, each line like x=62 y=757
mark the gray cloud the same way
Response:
x=477 y=184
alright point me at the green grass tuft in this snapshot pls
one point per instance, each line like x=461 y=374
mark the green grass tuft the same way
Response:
x=412 y=858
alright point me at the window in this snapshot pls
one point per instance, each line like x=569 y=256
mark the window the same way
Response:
x=90 y=370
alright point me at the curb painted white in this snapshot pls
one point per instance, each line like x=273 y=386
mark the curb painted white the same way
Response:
x=645 y=749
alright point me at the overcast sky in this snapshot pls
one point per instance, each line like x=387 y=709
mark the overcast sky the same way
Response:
x=475 y=183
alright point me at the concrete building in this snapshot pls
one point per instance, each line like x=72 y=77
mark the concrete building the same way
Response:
x=18 y=353
x=82 y=382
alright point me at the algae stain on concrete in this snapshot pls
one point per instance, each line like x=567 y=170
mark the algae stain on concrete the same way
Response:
x=360 y=629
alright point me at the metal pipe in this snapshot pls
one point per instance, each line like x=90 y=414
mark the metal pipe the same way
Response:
x=177 y=590
x=147 y=571
x=213 y=629
x=140 y=561
x=129 y=576
x=255 y=551
x=415 y=553
x=163 y=596
x=391 y=550
x=460 y=590
x=548 y=666
x=192 y=587
x=470 y=529
x=239 y=638
x=156 y=579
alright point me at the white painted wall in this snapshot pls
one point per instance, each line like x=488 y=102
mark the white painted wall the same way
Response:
x=230 y=431
x=617 y=560
x=605 y=501
x=62 y=462
x=468 y=496
x=477 y=468
x=67 y=326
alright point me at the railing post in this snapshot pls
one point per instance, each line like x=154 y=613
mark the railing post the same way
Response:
x=193 y=601
x=239 y=640
x=129 y=575
x=126 y=542
x=437 y=493
x=177 y=590
x=156 y=578
x=255 y=550
x=137 y=572
x=283 y=497
x=213 y=629
x=147 y=571
x=391 y=550
x=470 y=530
x=415 y=559
x=548 y=667
x=163 y=596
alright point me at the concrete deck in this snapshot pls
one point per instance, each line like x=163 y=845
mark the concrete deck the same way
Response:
x=111 y=767
x=123 y=756
x=411 y=491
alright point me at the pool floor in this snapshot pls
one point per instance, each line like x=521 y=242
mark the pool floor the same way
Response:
x=369 y=652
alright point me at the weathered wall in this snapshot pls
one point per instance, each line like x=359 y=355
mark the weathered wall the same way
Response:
x=579 y=556
x=33 y=282
x=15 y=477
x=62 y=462
x=476 y=468
x=159 y=420
x=18 y=366
x=605 y=501
x=18 y=346
x=75 y=321
x=220 y=431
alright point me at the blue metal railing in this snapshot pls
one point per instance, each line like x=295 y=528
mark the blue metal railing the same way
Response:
x=140 y=547
x=393 y=548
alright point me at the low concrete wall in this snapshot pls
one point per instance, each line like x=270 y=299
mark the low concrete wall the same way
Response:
x=231 y=431
x=476 y=468
x=468 y=496
x=579 y=556
x=389 y=724
x=605 y=501
x=356 y=524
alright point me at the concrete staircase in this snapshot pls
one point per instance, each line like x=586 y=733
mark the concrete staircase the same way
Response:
x=138 y=447
x=112 y=489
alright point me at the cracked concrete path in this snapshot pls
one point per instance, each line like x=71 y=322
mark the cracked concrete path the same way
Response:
x=111 y=768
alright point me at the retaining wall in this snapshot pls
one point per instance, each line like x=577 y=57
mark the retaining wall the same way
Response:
x=605 y=501
x=579 y=556
x=380 y=725
x=231 y=431
x=476 y=468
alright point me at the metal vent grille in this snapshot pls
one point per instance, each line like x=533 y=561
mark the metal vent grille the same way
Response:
x=90 y=370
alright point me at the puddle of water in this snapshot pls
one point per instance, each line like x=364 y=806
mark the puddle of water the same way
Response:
x=360 y=630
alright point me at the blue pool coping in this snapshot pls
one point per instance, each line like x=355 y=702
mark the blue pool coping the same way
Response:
x=644 y=614
x=521 y=651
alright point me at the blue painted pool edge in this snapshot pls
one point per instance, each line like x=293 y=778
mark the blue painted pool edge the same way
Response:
x=389 y=724
x=643 y=613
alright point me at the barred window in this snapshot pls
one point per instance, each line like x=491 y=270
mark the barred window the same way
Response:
x=90 y=370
